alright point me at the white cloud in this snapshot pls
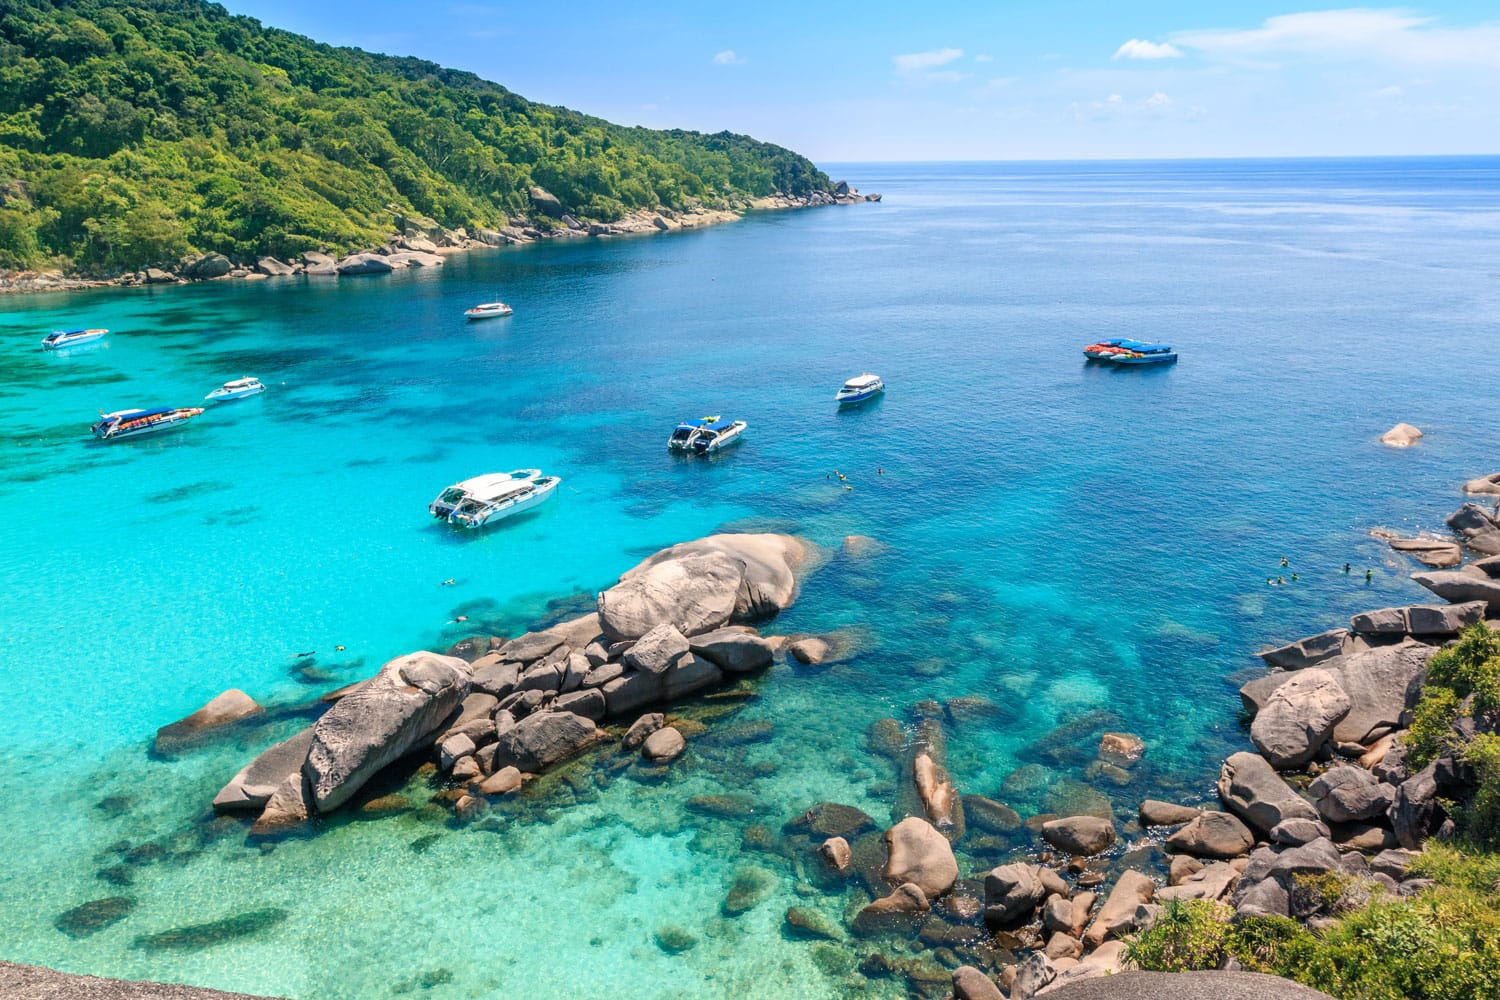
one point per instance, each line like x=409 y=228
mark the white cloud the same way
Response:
x=1139 y=48
x=1359 y=33
x=917 y=62
x=1159 y=100
x=983 y=59
x=728 y=58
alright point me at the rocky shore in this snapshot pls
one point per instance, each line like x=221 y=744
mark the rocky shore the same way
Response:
x=421 y=242
x=957 y=893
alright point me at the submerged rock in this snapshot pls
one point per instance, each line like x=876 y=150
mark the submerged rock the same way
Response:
x=94 y=916
x=196 y=937
x=751 y=886
x=830 y=819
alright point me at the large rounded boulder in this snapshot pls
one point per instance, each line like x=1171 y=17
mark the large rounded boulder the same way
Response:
x=1298 y=717
x=919 y=854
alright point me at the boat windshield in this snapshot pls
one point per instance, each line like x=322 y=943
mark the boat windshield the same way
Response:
x=683 y=433
x=451 y=495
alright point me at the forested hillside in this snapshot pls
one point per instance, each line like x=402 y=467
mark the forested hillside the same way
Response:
x=132 y=133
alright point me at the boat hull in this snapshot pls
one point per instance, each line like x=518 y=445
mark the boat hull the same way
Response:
x=857 y=397
x=1145 y=359
x=521 y=506
x=74 y=340
x=104 y=431
x=723 y=440
x=220 y=396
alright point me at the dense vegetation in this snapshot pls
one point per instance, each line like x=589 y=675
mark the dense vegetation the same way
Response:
x=1443 y=944
x=134 y=132
x=1456 y=716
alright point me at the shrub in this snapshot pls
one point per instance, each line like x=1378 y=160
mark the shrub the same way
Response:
x=1187 y=936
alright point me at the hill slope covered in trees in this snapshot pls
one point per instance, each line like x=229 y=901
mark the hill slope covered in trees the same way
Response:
x=133 y=133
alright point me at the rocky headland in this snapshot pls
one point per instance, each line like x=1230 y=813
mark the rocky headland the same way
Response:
x=417 y=241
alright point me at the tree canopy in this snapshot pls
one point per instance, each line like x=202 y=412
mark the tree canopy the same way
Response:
x=133 y=133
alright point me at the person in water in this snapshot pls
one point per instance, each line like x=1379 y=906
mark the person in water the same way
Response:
x=1368 y=575
x=1283 y=560
x=1346 y=568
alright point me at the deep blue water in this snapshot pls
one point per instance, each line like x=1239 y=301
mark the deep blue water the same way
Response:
x=1060 y=538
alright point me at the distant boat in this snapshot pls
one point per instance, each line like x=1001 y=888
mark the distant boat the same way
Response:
x=1130 y=352
x=860 y=388
x=237 y=389
x=71 y=338
x=496 y=496
x=488 y=310
x=479 y=487
x=131 y=423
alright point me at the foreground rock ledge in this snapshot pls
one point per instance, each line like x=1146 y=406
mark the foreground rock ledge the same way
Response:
x=34 y=982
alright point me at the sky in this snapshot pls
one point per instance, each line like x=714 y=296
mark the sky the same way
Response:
x=1002 y=80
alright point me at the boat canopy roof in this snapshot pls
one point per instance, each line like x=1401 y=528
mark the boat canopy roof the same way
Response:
x=718 y=424
x=862 y=381
x=1136 y=345
x=138 y=414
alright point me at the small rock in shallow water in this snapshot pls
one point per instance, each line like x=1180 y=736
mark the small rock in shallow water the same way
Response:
x=751 y=886
x=674 y=940
x=807 y=922
x=91 y=917
x=724 y=806
x=832 y=819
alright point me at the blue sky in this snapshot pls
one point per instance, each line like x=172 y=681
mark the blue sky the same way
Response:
x=1065 y=79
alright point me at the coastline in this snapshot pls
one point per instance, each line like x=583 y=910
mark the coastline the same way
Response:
x=422 y=242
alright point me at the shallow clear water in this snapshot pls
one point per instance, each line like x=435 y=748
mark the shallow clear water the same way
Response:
x=1058 y=538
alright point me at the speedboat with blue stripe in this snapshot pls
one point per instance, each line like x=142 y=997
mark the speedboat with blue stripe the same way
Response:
x=131 y=423
x=860 y=388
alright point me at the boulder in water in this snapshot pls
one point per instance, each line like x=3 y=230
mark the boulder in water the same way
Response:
x=1400 y=436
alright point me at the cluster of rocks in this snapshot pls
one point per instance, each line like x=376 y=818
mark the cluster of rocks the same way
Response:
x=672 y=626
x=422 y=242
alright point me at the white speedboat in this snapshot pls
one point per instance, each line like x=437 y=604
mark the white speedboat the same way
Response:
x=683 y=435
x=719 y=434
x=131 y=423
x=513 y=497
x=860 y=388
x=237 y=389
x=71 y=338
x=480 y=488
x=488 y=310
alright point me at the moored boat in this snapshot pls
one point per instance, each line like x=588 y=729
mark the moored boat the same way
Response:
x=237 y=389
x=1130 y=352
x=714 y=436
x=488 y=310
x=505 y=498
x=479 y=488
x=681 y=438
x=860 y=388
x=71 y=338
x=132 y=423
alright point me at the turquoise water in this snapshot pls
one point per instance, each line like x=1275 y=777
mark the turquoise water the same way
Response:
x=1086 y=547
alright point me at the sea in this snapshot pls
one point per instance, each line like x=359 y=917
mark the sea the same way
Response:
x=1022 y=547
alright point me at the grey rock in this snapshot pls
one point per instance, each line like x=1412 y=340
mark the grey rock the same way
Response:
x=1433 y=552
x=918 y=853
x=402 y=706
x=735 y=650
x=543 y=739
x=971 y=984
x=1212 y=882
x=1459 y=587
x=545 y=202
x=495 y=677
x=1393 y=863
x=1080 y=835
x=1416 y=812
x=363 y=263
x=588 y=703
x=1298 y=717
x=1179 y=986
x=222 y=710
x=666 y=744
x=1443 y=619
x=630 y=692
x=542 y=677
x=1381 y=684
x=1384 y=621
x=642 y=728
x=1348 y=793
x=1254 y=792
x=1117 y=915
x=532 y=646
x=1011 y=892
x=454 y=747
x=1213 y=835
x=1306 y=652
x=210 y=265
x=1298 y=831
x=658 y=651
x=575 y=670
x=1255 y=693
x=1154 y=812
x=603 y=674
x=1484 y=484
x=690 y=674
x=257 y=781
x=1032 y=975
x=273 y=267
